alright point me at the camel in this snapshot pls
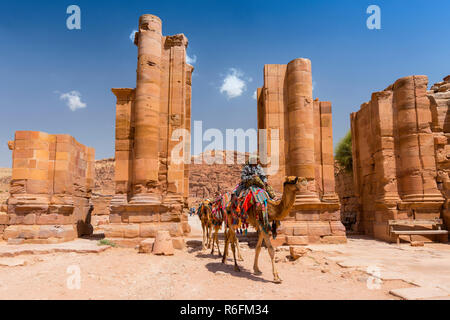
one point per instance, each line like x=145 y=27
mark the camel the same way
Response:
x=277 y=211
x=219 y=219
x=204 y=214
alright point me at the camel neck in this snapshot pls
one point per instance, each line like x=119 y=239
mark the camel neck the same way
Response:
x=287 y=201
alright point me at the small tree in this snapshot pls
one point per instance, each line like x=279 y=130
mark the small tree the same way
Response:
x=344 y=152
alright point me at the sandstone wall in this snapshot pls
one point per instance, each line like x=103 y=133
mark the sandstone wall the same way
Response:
x=439 y=96
x=394 y=162
x=51 y=185
x=305 y=149
x=349 y=202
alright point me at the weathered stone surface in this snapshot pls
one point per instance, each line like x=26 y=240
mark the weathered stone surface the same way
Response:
x=178 y=243
x=419 y=293
x=299 y=135
x=298 y=252
x=163 y=244
x=51 y=185
x=398 y=164
x=150 y=186
x=146 y=246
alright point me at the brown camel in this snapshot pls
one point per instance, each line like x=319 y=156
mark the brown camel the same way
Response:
x=218 y=220
x=277 y=211
x=204 y=214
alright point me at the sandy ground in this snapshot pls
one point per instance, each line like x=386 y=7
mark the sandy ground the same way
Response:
x=326 y=272
x=190 y=274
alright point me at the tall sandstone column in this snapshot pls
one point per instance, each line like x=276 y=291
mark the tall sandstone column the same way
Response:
x=304 y=149
x=300 y=108
x=147 y=109
x=151 y=185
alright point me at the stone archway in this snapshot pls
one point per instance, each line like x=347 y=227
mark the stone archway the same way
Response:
x=152 y=191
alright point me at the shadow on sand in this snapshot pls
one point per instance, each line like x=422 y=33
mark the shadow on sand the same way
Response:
x=229 y=268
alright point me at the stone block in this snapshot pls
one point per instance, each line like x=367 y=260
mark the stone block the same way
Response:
x=179 y=243
x=146 y=246
x=163 y=244
x=333 y=239
x=297 y=240
x=321 y=228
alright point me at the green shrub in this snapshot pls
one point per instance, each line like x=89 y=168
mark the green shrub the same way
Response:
x=106 y=242
x=344 y=152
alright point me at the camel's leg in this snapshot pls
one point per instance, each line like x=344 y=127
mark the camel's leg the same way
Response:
x=217 y=239
x=239 y=250
x=213 y=237
x=225 y=249
x=257 y=251
x=276 y=277
x=204 y=236
x=209 y=235
x=233 y=246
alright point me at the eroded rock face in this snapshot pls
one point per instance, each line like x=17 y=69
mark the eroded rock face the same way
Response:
x=398 y=142
x=50 y=190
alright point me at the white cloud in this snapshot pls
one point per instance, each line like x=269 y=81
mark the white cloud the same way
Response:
x=255 y=95
x=233 y=84
x=191 y=60
x=73 y=100
x=132 y=35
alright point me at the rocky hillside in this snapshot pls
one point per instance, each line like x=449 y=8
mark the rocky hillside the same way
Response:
x=207 y=179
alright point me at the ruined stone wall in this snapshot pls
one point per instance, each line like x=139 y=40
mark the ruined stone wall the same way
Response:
x=439 y=96
x=303 y=148
x=345 y=189
x=151 y=121
x=51 y=184
x=394 y=163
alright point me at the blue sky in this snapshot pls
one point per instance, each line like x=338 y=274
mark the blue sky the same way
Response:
x=40 y=59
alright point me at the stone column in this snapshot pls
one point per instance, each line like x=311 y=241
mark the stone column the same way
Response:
x=124 y=141
x=301 y=125
x=147 y=108
x=326 y=147
x=187 y=126
x=416 y=145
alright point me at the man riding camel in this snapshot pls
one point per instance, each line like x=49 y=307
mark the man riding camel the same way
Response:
x=253 y=175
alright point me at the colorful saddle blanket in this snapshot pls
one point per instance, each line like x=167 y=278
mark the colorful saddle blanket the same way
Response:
x=248 y=198
x=219 y=208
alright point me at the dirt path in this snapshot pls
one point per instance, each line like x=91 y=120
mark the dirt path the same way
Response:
x=190 y=274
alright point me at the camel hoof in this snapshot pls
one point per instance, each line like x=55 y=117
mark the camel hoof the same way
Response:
x=241 y=259
x=237 y=269
x=257 y=272
x=277 y=280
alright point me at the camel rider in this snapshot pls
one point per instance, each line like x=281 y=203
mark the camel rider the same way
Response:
x=253 y=175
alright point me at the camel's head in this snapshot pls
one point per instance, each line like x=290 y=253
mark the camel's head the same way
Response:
x=295 y=183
